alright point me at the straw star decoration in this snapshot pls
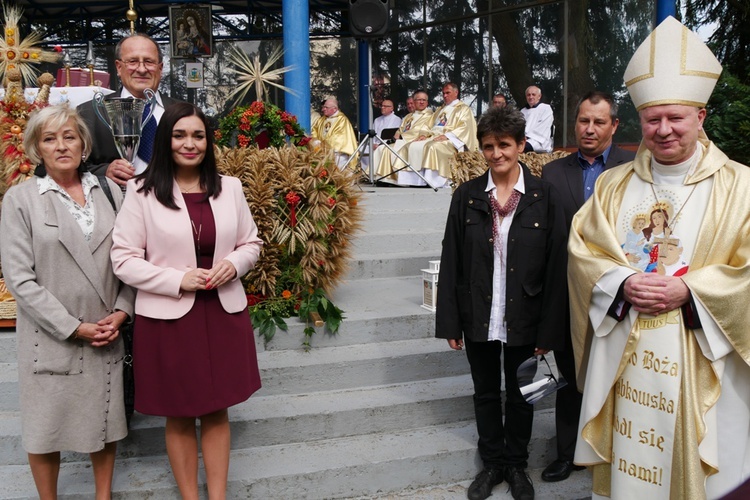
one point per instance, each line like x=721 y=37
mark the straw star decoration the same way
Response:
x=17 y=53
x=252 y=73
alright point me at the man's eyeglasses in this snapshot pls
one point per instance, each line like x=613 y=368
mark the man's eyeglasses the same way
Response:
x=133 y=64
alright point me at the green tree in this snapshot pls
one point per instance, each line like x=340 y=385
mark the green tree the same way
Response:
x=731 y=39
x=728 y=120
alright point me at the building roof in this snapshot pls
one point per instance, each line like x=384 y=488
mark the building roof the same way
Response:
x=56 y=11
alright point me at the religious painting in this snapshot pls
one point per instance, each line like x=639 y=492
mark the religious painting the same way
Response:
x=191 y=31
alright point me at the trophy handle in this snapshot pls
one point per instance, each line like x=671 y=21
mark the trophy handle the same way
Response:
x=151 y=102
x=99 y=101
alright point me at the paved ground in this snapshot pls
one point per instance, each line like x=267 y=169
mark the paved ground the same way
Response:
x=577 y=487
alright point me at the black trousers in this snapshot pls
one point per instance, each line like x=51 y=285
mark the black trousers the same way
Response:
x=567 y=403
x=502 y=442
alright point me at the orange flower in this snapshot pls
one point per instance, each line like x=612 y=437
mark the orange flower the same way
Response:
x=286 y=294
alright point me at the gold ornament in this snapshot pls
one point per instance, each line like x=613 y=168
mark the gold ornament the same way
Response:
x=131 y=15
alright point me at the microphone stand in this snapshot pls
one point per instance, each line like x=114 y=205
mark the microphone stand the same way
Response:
x=367 y=140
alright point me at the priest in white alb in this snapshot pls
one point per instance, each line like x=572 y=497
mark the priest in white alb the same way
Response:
x=663 y=322
x=387 y=120
x=453 y=129
x=539 y=121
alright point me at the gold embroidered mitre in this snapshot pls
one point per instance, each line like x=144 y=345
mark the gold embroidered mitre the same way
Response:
x=672 y=66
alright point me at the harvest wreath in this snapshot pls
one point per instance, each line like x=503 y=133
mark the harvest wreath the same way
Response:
x=260 y=123
x=307 y=211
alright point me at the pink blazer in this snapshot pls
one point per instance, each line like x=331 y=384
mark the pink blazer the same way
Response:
x=153 y=248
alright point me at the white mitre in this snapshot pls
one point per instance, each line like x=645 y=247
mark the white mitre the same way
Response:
x=672 y=66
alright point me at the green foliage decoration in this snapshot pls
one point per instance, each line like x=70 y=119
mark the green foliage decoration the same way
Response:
x=243 y=125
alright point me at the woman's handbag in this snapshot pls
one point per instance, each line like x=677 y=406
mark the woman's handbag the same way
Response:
x=128 y=377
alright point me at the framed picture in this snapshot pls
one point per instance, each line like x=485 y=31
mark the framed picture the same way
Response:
x=191 y=31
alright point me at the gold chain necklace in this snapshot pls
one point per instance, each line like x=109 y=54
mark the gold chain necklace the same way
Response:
x=187 y=190
x=669 y=231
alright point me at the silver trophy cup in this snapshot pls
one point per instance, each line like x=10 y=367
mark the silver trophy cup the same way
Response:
x=124 y=118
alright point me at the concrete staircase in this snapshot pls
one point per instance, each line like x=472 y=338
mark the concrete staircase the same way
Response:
x=381 y=410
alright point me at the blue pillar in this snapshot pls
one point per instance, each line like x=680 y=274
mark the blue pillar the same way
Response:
x=664 y=9
x=296 y=18
x=363 y=53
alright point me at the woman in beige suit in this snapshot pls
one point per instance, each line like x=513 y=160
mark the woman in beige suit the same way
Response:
x=55 y=238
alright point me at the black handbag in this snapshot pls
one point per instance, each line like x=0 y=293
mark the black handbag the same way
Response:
x=128 y=377
x=126 y=332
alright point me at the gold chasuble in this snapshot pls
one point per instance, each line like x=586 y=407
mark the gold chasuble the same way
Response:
x=649 y=421
x=337 y=132
x=414 y=124
x=456 y=119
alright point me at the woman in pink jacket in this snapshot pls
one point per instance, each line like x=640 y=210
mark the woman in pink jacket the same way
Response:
x=183 y=239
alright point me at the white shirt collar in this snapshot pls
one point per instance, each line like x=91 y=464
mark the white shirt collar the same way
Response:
x=126 y=93
x=47 y=183
x=520 y=183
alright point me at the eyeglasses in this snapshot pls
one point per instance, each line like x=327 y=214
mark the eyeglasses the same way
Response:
x=386 y=105
x=133 y=64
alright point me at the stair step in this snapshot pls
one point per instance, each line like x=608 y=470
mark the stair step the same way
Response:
x=285 y=419
x=416 y=239
x=8 y=345
x=377 y=199
x=576 y=487
x=361 y=365
x=400 y=264
x=349 y=467
x=401 y=219
x=375 y=310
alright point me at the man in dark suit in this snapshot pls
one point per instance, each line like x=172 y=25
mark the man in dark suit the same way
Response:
x=574 y=177
x=139 y=64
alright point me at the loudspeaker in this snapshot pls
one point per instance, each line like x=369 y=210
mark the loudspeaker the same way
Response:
x=368 y=18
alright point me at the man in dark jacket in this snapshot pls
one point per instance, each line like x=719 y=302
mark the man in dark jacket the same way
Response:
x=139 y=65
x=574 y=177
x=501 y=272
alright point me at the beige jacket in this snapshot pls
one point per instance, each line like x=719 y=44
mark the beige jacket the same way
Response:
x=71 y=393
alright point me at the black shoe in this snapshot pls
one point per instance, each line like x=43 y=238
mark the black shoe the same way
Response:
x=520 y=483
x=559 y=470
x=481 y=488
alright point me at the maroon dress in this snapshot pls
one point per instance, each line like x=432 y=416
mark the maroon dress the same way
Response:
x=202 y=362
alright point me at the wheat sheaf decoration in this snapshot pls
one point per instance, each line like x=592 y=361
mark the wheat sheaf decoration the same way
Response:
x=307 y=211
x=470 y=164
